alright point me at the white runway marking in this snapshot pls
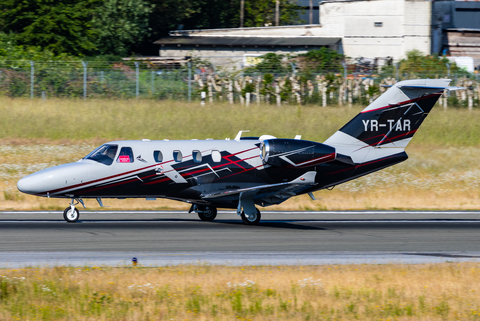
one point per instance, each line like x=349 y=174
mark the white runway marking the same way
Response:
x=265 y=212
x=154 y=259
x=170 y=221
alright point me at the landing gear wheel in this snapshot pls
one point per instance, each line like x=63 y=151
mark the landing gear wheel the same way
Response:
x=206 y=213
x=71 y=216
x=251 y=219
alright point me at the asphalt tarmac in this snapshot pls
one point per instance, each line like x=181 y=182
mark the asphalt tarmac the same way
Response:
x=162 y=238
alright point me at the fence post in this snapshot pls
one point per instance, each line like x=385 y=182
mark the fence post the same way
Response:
x=32 y=73
x=448 y=70
x=397 y=71
x=137 y=80
x=344 y=64
x=153 y=82
x=84 y=63
x=189 y=81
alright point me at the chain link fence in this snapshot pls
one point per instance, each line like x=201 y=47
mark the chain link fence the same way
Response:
x=193 y=81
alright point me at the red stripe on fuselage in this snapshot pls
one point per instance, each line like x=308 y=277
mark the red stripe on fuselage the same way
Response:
x=130 y=172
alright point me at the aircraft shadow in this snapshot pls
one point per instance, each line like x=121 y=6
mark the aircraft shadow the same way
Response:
x=276 y=224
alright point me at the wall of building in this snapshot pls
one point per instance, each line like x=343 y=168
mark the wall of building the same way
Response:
x=379 y=28
x=233 y=58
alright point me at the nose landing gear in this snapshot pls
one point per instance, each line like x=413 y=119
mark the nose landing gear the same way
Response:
x=71 y=214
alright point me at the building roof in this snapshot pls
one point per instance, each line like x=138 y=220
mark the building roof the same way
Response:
x=248 y=41
x=462 y=29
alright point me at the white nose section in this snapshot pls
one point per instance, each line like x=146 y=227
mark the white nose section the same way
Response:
x=32 y=184
x=53 y=179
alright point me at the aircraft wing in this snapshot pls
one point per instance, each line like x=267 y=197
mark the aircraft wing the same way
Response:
x=270 y=193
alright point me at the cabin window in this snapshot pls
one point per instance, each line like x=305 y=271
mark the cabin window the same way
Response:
x=157 y=156
x=125 y=155
x=104 y=154
x=177 y=155
x=197 y=156
x=216 y=156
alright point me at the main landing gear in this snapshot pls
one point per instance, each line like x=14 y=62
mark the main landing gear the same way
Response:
x=204 y=212
x=71 y=214
x=251 y=219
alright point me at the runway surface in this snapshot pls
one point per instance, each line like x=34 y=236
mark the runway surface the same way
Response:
x=165 y=237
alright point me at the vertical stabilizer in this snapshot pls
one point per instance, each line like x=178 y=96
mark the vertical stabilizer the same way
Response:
x=387 y=125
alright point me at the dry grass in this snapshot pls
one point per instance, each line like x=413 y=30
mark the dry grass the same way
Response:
x=202 y=292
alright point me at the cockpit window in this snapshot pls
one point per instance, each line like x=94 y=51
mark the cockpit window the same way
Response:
x=104 y=154
x=125 y=155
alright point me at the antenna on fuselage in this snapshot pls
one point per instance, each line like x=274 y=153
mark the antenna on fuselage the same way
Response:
x=239 y=135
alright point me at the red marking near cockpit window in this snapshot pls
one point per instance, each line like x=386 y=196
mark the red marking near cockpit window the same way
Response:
x=124 y=159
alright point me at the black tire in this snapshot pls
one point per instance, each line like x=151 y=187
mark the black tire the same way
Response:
x=251 y=220
x=69 y=216
x=207 y=213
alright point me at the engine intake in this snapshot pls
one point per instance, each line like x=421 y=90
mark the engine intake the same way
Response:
x=295 y=153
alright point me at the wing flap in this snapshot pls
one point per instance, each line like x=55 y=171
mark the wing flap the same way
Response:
x=288 y=188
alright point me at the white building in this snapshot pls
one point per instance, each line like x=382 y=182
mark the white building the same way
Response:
x=356 y=28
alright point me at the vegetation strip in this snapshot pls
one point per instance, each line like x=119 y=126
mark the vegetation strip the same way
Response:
x=205 y=292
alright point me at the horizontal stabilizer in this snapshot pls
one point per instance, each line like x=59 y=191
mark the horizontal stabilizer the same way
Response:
x=450 y=88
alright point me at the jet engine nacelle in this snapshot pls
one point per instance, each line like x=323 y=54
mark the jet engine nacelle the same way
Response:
x=295 y=153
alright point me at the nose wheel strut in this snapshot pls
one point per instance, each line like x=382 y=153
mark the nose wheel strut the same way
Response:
x=71 y=213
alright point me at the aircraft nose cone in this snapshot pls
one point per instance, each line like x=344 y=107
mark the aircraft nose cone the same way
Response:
x=31 y=184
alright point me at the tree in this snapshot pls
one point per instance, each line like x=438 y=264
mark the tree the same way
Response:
x=120 y=25
x=60 y=26
x=11 y=52
x=209 y=14
x=321 y=60
x=270 y=62
x=168 y=15
x=417 y=64
x=261 y=13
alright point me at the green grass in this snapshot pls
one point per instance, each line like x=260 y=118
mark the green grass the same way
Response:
x=60 y=119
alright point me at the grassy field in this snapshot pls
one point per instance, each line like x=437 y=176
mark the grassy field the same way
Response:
x=443 y=171
x=100 y=120
x=203 y=292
